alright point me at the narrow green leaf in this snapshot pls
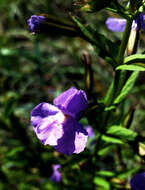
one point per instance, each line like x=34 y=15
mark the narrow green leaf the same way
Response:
x=122 y=133
x=112 y=140
x=108 y=96
x=84 y=30
x=133 y=67
x=101 y=182
x=110 y=108
x=127 y=87
x=105 y=150
x=136 y=58
x=105 y=173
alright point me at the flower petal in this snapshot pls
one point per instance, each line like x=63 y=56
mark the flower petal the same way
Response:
x=66 y=143
x=41 y=111
x=72 y=102
x=138 y=182
x=74 y=138
x=116 y=24
x=50 y=129
x=81 y=137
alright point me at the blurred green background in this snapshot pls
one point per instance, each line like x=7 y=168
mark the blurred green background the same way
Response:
x=36 y=69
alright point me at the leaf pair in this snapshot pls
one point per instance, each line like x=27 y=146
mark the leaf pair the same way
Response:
x=117 y=134
x=133 y=63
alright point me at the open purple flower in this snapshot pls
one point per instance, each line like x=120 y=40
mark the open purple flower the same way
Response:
x=57 y=125
x=118 y=24
x=56 y=176
x=138 y=182
x=36 y=23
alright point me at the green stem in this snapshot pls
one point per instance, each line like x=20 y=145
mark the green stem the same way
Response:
x=124 y=41
x=119 y=75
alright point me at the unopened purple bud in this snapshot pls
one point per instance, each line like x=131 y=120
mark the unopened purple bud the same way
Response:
x=36 y=23
x=138 y=182
x=140 y=21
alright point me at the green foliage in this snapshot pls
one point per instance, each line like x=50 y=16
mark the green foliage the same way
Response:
x=127 y=87
x=136 y=58
x=122 y=133
x=111 y=140
x=105 y=173
x=109 y=93
x=132 y=67
x=101 y=183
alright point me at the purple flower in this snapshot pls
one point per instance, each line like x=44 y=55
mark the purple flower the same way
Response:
x=56 y=176
x=57 y=125
x=118 y=24
x=36 y=23
x=90 y=131
x=138 y=182
x=91 y=139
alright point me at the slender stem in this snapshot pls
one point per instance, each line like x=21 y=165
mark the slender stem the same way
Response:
x=124 y=41
x=119 y=75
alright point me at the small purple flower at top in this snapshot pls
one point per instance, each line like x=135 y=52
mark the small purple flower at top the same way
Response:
x=118 y=24
x=36 y=23
x=138 y=182
x=56 y=176
x=57 y=125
